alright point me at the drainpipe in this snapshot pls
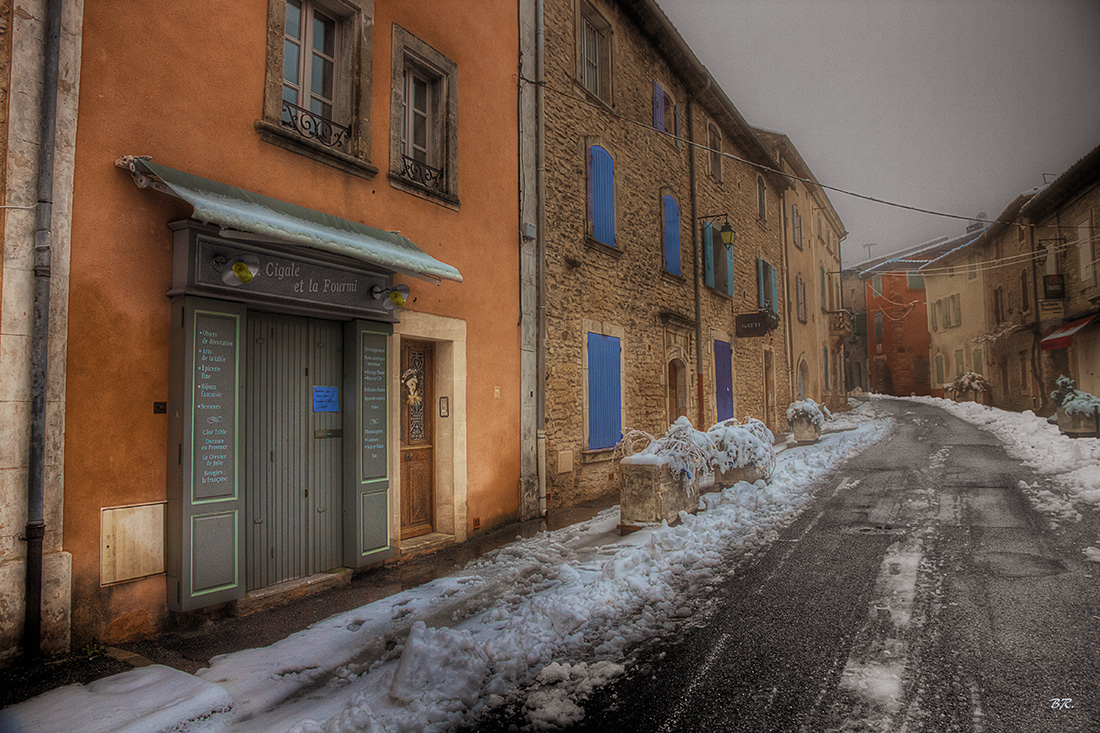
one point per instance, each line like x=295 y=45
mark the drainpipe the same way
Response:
x=1037 y=326
x=696 y=247
x=36 y=523
x=540 y=246
x=792 y=377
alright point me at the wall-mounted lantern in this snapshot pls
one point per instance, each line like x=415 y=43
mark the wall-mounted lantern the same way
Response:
x=726 y=233
x=395 y=297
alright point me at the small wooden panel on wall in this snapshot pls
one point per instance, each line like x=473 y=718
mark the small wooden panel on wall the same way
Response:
x=131 y=542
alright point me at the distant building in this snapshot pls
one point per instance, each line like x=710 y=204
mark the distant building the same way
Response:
x=898 y=336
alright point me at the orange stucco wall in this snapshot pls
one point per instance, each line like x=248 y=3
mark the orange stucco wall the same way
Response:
x=183 y=83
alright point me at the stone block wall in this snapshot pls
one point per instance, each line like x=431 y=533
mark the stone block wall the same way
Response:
x=626 y=290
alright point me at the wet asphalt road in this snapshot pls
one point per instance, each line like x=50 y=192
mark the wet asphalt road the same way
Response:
x=919 y=592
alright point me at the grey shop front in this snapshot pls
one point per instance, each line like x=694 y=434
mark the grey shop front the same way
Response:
x=279 y=437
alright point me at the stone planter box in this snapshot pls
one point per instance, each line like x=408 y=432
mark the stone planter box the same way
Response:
x=650 y=493
x=804 y=430
x=725 y=479
x=970 y=395
x=1076 y=425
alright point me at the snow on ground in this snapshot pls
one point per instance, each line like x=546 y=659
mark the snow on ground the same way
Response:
x=1073 y=463
x=555 y=612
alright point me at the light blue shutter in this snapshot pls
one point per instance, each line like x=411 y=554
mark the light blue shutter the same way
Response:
x=723 y=379
x=602 y=195
x=729 y=269
x=604 y=397
x=672 y=235
x=775 y=289
x=708 y=255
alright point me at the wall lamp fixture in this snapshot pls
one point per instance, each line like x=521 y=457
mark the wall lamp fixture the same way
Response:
x=726 y=232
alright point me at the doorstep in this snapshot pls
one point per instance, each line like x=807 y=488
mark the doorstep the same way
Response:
x=424 y=544
x=291 y=590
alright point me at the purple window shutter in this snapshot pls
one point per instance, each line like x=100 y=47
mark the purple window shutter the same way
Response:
x=672 y=235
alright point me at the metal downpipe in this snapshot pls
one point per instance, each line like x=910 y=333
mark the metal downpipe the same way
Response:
x=540 y=246
x=692 y=150
x=40 y=333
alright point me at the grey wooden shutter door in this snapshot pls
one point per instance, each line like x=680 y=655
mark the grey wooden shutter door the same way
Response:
x=205 y=507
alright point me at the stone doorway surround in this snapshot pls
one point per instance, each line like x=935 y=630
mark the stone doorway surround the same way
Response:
x=449 y=335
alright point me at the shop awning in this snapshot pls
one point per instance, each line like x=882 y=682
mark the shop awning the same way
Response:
x=1062 y=336
x=235 y=208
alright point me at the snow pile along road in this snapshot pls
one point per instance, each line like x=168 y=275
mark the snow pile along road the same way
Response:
x=555 y=612
x=1072 y=462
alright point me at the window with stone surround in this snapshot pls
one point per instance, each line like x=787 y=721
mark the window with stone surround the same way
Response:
x=594 y=36
x=796 y=226
x=670 y=234
x=714 y=142
x=317 y=87
x=800 y=298
x=423 y=119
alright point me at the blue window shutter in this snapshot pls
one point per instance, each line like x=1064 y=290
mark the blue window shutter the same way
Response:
x=723 y=379
x=760 y=283
x=591 y=175
x=708 y=255
x=604 y=397
x=672 y=235
x=602 y=180
x=729 y=269
x=775 y=289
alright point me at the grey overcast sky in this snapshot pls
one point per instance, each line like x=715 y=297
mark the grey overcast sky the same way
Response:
x=950 y=105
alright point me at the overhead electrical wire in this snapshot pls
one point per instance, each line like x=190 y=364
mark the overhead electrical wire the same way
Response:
x=808 y=181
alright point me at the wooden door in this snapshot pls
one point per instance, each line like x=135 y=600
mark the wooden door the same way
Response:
x=673 y=392
x=417 y=432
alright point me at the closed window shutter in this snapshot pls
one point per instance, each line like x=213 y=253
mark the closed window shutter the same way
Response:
x=604 y=397
x=658 y=106
x=934 y=307
x=676 y=117
x=822 y=286
x=602 y=196
x=775 y=290
x=672 y=235
x=729 y=269
x=723 y=379
x=760 y=300
x=708 y=255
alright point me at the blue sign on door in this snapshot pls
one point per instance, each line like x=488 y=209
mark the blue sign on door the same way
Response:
x=326 y=399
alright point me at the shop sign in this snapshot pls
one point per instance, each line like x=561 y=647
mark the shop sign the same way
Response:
x=1050 y=310
x=748 y=325
x=1054 y=286
x=238 y=271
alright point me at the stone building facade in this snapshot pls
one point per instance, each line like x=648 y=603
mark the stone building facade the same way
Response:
x=640 y=311
x=1061 y=223
x=22 y=80
x=820 y=324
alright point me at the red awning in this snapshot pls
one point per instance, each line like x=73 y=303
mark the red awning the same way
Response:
x=1062 y=336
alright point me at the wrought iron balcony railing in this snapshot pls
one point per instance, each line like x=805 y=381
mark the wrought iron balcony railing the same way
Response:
x=422 y=173
x=315 y=127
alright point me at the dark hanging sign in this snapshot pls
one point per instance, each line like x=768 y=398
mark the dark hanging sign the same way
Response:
x=242 y=272
x=1054 y=287
x=749 y=325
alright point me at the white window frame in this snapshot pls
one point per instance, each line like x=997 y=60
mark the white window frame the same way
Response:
x=413 y=58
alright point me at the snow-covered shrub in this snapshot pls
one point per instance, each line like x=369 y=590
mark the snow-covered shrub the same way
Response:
x=742 y=445
x=968 y=382
x=685 y=449
x=1072 y=400
x=807 y=408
